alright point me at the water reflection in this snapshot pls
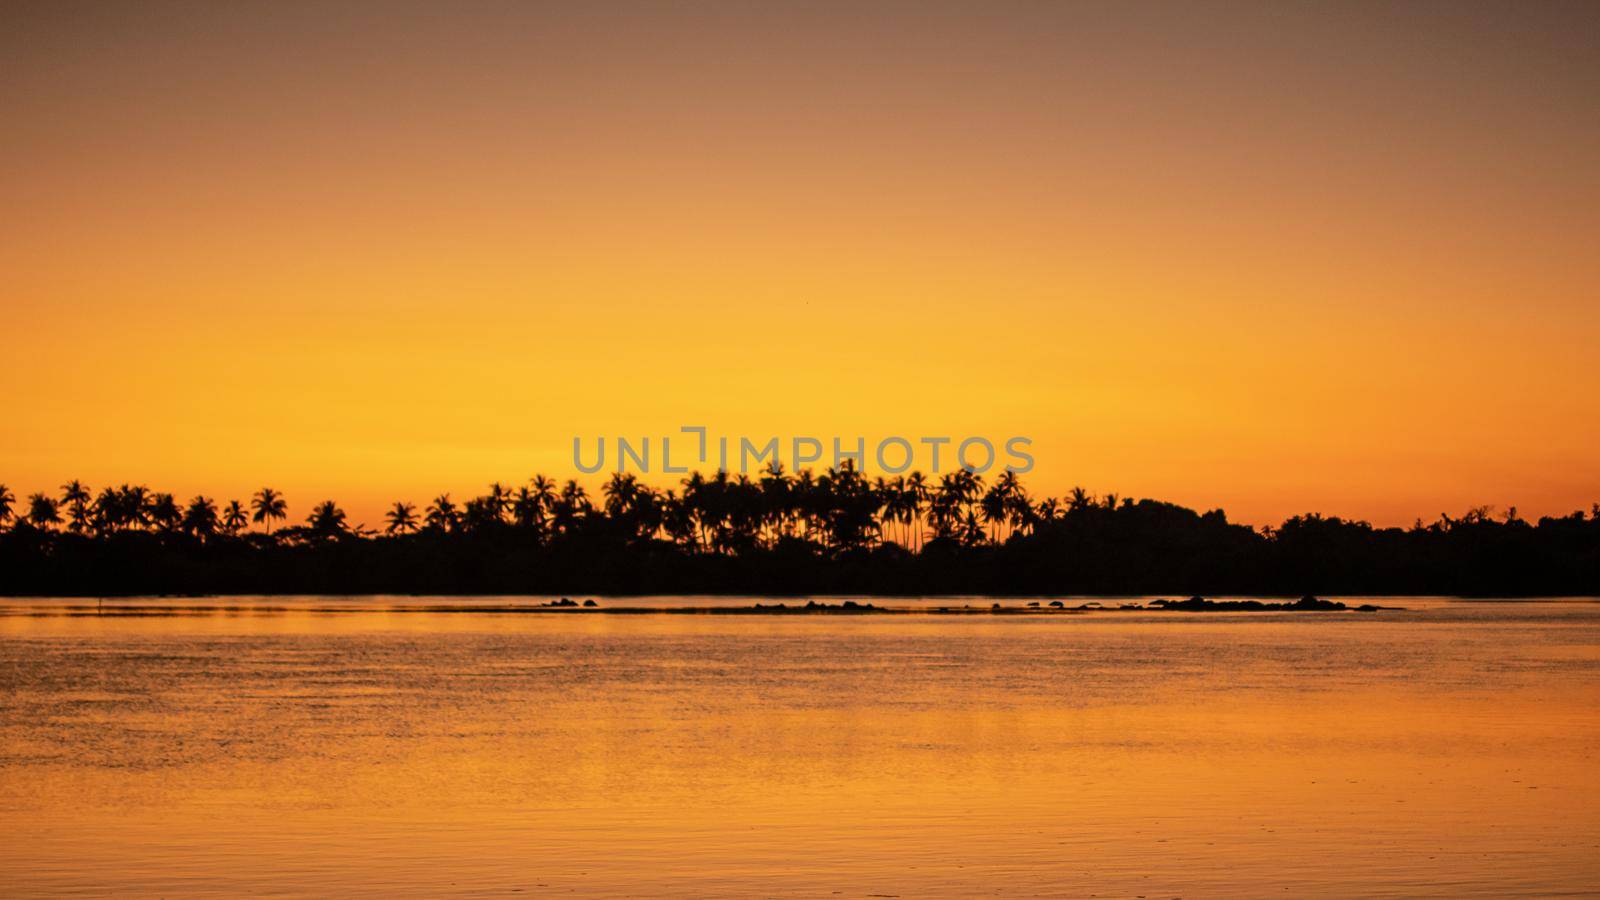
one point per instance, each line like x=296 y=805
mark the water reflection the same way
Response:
x=1448 y=749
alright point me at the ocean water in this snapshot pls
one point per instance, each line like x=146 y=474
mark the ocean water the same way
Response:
x=455 y=746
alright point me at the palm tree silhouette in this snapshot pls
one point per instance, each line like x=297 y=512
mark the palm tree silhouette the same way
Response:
x=696 y=504
x=200 y=518
x=1048 y=510
x=164 y=512
x=499 y=500
x=105 y=513
x=1022 y=512
x=1006 y=506
x=402 y=518
x=774 y=486
x=544 y=489
x=619 y=492
x=946 y=504
x=897 y=508
x=883 y=494
x=7 y=499
x=971 y=531
x=745 y=512
x=917 y=489
x=996 y=510
x=571 y=506
x=527 y=511
x=76 y=498
x=441 y=514
x=677 y=520
x=43 y=512
x=268 y=505
x=481 y=514
x=1079 y=499
x=234 y=519
x=133 y=506
x=533 y=503
x=326 y=519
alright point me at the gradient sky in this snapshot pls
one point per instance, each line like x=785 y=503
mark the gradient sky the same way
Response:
x=1271 y=257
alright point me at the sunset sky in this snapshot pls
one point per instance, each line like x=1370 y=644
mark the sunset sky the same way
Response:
x=1270 y=257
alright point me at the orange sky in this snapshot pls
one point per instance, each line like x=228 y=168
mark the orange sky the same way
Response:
x=1267 y=257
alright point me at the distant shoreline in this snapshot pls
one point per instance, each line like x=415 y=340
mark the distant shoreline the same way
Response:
x=780 y=598
x=566 y=606
x=834 y=533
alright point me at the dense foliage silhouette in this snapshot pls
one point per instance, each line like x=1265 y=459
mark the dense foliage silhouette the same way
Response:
x=778 y=534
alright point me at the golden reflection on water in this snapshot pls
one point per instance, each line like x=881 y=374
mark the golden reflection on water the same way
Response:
x=1449 y=749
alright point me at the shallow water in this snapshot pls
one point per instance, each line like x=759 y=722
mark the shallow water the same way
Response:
x=368 y=746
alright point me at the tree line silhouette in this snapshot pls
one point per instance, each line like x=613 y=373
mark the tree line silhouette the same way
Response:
x=775 y=533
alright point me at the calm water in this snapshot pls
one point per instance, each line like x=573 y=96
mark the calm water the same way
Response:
x=1450 y=749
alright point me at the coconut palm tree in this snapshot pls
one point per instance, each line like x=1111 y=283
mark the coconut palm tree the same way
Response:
x=43 y=512
x=1006 y=505
x=498 y=500
x=917 y=488
x=947 y=505
x=544 y=490
x=480 y=514
x=268 y=505
x=1078 y=499
x=882 y=493
x=649 y=514
x=887 y=492
x=695 y=503
x=7 y=499
x=326 y=519
x=131 y=506
x=106 y=511
x=970 y=530
x=200 y=518
x=441 y=514
x=746 y=512
x=402 y=518
x=969 y=487
x=775 y=501
x=677 y=519
x=899 y=508
x=1023 y=516
x=527 y=510
x=571 y=506
x=164 y=512
x=75 y=497
x=620 y=491
x=1048 y=510
x=234 y=518
x=995 y=510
